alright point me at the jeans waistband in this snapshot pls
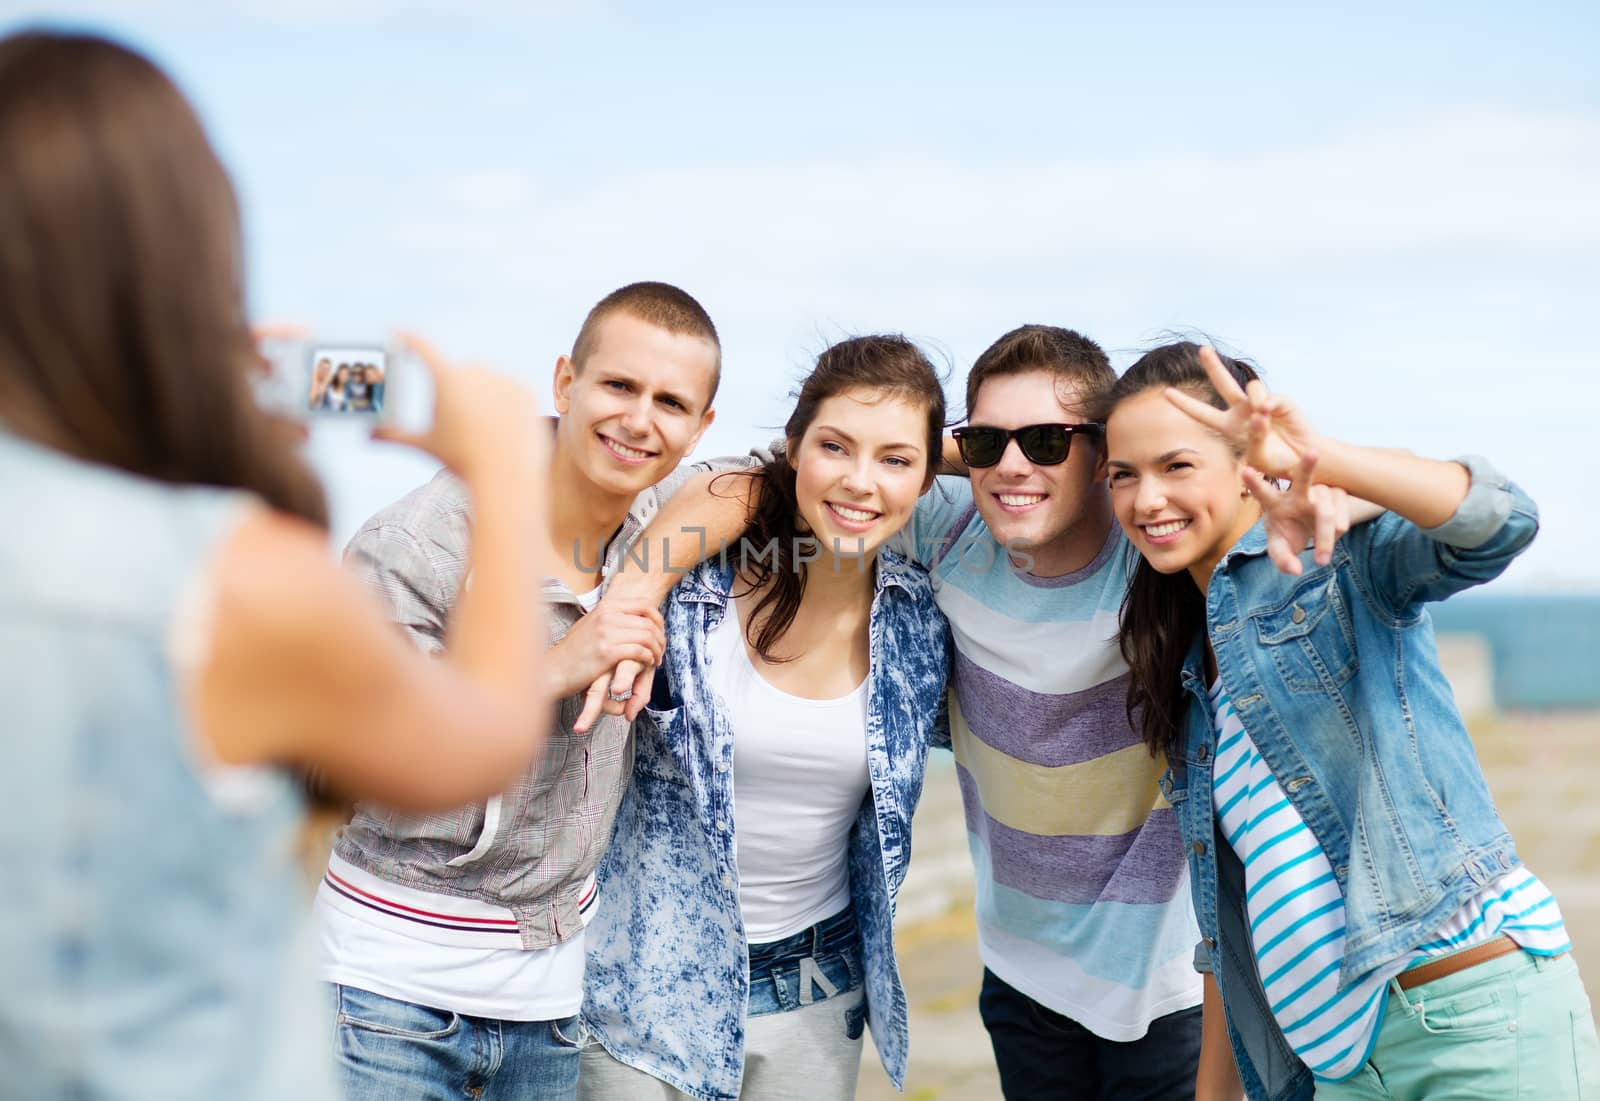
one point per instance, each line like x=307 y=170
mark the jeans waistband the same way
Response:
x=828 y=936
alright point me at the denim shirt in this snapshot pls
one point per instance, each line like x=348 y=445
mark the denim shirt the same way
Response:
x=668 y=977
x=1335 y=674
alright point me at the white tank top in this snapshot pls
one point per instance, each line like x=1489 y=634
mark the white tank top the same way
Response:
x=799 y=777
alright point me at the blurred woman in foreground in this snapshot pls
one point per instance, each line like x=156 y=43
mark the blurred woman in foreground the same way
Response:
x=176 y=637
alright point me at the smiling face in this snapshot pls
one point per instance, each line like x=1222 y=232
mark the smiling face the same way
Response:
x=1044 y=507
x=636 y=407
x=1176 y=486
x=860 y=468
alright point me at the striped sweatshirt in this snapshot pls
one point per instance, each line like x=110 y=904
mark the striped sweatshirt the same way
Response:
x=1083 y=899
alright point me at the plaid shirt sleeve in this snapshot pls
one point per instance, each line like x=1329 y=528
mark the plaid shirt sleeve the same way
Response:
x=411 y=557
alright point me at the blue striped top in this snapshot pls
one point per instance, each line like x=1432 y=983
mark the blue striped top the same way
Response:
x=1297 y=921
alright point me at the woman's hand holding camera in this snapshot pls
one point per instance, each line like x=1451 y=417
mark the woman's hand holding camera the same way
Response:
x=483 y=422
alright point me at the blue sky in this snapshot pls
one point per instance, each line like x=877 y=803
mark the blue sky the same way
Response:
x=1393 y=208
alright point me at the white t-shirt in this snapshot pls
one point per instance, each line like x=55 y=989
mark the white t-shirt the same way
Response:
x=508 y=984
x=799 y=776
x=362 y=942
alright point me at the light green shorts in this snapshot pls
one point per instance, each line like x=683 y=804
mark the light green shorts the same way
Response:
x=1515 y=1027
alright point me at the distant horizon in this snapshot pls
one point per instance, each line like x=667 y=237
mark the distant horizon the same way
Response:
x=1542 y=645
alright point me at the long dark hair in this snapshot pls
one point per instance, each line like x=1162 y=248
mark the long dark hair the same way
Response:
x=1162 y=614
x=123 y=337
x=889 y=364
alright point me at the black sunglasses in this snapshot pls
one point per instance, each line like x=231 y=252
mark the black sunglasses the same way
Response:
x=1042 y=444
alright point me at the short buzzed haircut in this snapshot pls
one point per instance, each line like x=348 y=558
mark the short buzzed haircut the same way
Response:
x=1069 y=356
x=659 y=304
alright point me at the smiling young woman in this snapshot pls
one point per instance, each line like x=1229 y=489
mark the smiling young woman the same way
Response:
x=743 y=934
x=1361 y=903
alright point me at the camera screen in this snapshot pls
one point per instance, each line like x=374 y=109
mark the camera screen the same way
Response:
x=347 y=380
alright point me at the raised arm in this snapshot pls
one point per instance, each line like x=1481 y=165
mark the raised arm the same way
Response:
x=1276 y=438
x=1450 y=525
x=303 y=668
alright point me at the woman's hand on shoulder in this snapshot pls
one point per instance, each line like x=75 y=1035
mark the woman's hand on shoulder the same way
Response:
x=482 y=420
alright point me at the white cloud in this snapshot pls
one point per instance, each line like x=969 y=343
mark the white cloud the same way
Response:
x=1479 y=187
x=1428 y=283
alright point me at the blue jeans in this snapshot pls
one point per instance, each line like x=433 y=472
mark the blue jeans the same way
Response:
x=1041 y=1054
x=389 y=1049
x=813 y=965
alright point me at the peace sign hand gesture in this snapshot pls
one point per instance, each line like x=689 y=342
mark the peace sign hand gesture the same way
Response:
x=1271 y=432
x=1304 y=513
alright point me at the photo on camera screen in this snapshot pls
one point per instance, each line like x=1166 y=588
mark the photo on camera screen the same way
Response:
x=347 y=380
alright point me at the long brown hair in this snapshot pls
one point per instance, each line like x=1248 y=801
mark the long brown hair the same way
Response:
x=123 y=337
x=891 y=365
x=1162 y=614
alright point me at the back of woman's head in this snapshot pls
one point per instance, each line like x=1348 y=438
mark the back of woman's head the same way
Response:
x=123 y=337
x=1162 y=613
x=881 y=368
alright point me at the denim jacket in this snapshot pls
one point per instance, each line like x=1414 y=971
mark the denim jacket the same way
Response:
x=1335 y=674
x=668 y=978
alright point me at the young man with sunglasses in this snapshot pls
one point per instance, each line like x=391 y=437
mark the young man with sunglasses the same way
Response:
x=1085 y=924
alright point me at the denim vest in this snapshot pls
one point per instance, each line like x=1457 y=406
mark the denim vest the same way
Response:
x=152 y=937
x=1335 y=674
x=668 y=976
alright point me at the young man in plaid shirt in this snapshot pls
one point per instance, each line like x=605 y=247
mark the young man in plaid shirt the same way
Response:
x=454 y=942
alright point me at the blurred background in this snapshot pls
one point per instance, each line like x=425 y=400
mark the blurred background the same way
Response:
x=1392 y=208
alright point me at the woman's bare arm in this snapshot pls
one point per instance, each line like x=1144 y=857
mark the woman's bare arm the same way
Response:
x=303 y=668
x=703 y=518
x=1217 y=1078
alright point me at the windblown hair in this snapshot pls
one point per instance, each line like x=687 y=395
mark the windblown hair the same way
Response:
x=1162 y=614
x=1071 y=357
x=892 y=367
x=659 y=304
x=123 y=338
